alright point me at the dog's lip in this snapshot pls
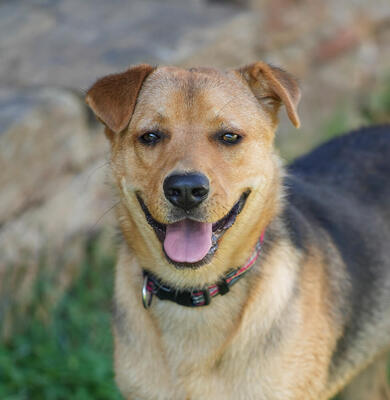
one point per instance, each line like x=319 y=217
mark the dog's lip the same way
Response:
x=218 y=229
x=228 y=220
x=149 y=219
x=221 y=225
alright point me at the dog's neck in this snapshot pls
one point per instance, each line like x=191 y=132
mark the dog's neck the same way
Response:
x=196 y=297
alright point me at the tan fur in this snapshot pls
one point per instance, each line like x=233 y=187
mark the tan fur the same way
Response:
x=262 y=331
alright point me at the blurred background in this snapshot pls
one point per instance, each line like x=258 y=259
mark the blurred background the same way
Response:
x=57 y=227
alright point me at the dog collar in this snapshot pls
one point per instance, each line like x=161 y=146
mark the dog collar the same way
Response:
x=196 y=297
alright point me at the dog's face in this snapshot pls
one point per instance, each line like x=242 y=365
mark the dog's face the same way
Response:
x=192 y=155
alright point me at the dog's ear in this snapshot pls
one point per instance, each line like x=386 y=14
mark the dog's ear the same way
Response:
x=113 y=97
x=273 y=86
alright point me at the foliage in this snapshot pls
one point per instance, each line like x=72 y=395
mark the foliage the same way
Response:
x=376 y=109
x=68 y=356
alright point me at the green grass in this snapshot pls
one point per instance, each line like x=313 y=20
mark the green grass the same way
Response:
x=69 y=356
x=376 y=108
x=371 y=109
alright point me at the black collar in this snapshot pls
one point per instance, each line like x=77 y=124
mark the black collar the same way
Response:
x=195 y=297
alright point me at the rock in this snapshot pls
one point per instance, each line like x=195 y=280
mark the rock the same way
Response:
x=53 y=168
x=44 y=136
x=54 y=233
x=71 y=43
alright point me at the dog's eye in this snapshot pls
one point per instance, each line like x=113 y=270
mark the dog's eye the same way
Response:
x=150 y=137
x=230 y=138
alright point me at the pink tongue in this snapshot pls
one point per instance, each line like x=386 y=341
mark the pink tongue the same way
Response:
x=188 y=241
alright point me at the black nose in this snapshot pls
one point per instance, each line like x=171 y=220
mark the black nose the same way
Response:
x=186 y=190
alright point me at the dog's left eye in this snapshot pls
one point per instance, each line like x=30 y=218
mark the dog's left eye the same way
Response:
x=150 y=137
x=230 y=138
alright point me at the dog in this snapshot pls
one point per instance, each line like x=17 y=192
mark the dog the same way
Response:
x=239 y=278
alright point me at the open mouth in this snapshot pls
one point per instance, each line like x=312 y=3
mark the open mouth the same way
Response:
x=188 y=243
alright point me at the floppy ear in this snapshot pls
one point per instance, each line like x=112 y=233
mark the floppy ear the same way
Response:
x=273 y=86
x=113 y=97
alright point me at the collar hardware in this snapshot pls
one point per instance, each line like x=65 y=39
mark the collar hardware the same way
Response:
x=147 y=295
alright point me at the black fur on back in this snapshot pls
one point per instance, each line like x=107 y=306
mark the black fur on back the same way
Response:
x=340 y=192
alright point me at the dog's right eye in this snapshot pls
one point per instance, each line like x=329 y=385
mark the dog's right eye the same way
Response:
x=150 y=137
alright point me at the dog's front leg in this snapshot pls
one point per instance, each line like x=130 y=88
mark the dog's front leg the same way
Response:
x=141 y=369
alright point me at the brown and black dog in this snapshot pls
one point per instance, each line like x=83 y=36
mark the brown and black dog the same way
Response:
x=238 y=279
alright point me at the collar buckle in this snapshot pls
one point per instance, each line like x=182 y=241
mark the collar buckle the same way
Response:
x=147 y=295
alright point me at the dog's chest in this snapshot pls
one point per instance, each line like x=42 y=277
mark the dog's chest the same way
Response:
x=195 y=336
x=207 y=351
x=210 y=359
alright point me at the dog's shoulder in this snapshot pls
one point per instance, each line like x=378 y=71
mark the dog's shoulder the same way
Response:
x=343 y=185
x=358 y=163
x=338 y=198
x=341 y=191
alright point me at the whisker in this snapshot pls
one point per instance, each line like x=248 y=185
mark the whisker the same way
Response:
x=94 y=170
x=105 y=213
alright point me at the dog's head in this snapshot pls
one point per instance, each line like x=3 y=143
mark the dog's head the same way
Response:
x=192 y=154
